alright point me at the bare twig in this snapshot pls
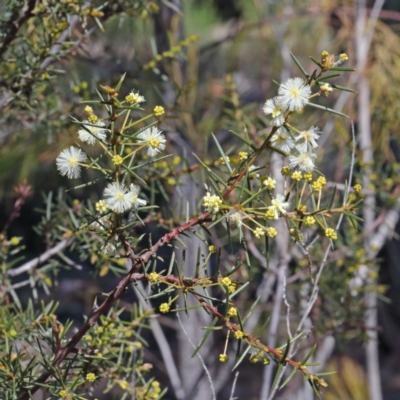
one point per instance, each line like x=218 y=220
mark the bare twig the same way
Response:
x=233 y=387
x=199 y=357
x=41 y=259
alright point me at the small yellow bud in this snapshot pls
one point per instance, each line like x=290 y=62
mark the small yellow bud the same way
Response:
x=12 y=332
x=272 y=232
x=253 y=358
x=92 y=118
x=285 y=171
x=270 y=214
x=153 y=277
x=343 y=57
x=158 y=111
x=307 y=176
x=232 y=312
x=331 y=233
x=270 y=183
x=357 y=188
x=309 y=221
x=90 y=377
x=231 y=288
x=176 y=160
x=226 y=281
x=223 y=358
x=317 y=186
x=243 y=155
x=123 y=384
x=14 y=241
x=164 y=308
x=322 y=180
x=296 y=176
x=258 y=232
x=101 y=206
x=239 y=335
x=212 y=249
x=88 y=110
x=325 y=89
x=117 y=160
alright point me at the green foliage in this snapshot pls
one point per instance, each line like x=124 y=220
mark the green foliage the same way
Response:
x=128 y=177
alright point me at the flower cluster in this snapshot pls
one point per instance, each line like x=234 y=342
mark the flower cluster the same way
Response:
x=120 y=198
x=212 y=203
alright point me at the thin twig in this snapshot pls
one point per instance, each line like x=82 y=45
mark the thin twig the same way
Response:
x=200 y=358
x=40 y=259
x=234 y=386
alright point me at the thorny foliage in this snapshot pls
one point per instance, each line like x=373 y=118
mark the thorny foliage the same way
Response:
x=124 y=150
x=120 y=144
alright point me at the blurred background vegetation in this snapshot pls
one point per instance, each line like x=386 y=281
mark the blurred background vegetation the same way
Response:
x=211 y=64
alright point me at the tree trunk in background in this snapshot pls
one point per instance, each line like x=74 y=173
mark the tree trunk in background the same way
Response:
x=195 y=382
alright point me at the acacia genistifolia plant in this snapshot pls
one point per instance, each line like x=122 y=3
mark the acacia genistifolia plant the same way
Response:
x=121 y=144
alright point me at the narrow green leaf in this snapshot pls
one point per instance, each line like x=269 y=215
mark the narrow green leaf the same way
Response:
x=288 y=379
x=310 y=353
x=353 y=216
x=233 y=270
x=314 y=388
x=240 y=321
x=299 y=66
x=326 y=373
x=119 y=84
x=186 y=308
x=209 y=330
x=126 y=168
x=342 y=69
x=48 y=206
x=150 y=162
x=198 y=258
x=345 y=89
x=73 y=219
x=327 y=109
x=238 y=290
x=240 y=359
x=243 y=140
x=212 y=174
x=286 y=352
x=254 y=305
x=316 y=62
x=86 y=184
x=277 y=376
x=332 y=199
x=222 y=153
x=326 y=77
x=262 y=329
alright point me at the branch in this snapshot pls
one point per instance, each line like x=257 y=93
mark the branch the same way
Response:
x=40 y=259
